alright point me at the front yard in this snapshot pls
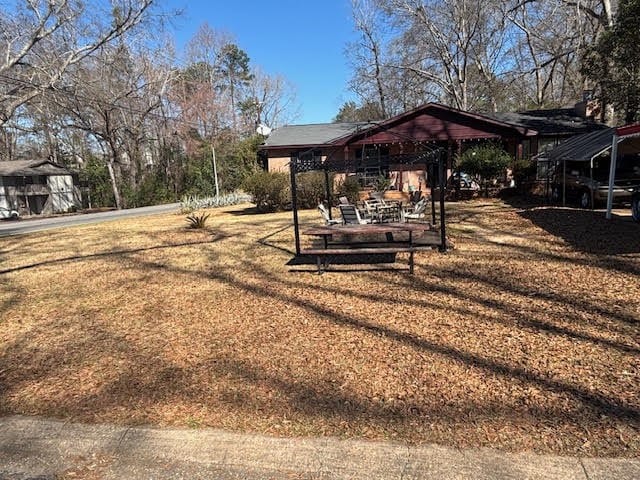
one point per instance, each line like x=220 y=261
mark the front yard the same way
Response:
x=525 y=337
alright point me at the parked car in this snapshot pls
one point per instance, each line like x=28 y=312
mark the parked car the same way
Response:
x=8 y=214
x=591 y=187
x=635 y=205
x=466 y=181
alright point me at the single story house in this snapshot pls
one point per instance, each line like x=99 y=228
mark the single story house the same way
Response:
x=367 y=150
x=35 y=187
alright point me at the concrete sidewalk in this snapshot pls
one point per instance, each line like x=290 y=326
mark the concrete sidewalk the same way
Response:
x=31 y=448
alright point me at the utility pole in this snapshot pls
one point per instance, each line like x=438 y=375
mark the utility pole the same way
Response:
x=215 y=170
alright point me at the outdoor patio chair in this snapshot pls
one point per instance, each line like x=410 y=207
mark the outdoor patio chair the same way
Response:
x=417 y=212
x=325 y=215
x=351 y=215
x=344 y=201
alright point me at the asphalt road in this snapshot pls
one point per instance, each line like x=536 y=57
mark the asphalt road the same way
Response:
x=38 y=224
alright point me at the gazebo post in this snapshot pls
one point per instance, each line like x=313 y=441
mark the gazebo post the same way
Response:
x=432 y=181
x=441 y=185
x=294 y=202
x=327 y=187
x=612 y=173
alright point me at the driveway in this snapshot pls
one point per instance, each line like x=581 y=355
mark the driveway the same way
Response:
x=38 y=224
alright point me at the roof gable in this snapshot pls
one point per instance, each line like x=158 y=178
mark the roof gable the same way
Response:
x=435 y=122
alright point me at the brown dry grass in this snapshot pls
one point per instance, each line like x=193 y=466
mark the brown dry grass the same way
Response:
x=526 y=337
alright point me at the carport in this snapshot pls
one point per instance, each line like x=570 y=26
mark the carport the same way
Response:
x=622 y=142
x=631 y=135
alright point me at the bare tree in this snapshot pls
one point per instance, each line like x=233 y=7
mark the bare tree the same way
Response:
x=270 y=99
x=445 y=42
x=114 y=98
x=41 y=40
x=549 y=37
x=366 y=54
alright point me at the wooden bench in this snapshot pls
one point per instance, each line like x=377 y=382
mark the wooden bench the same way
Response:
x=321 y=254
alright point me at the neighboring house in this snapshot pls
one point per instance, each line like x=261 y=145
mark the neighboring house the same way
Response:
x=368 y=149
x=35 y=187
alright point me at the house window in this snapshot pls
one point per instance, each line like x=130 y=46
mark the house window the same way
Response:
x=368 y=175
x=372 y=161
x=315 y=154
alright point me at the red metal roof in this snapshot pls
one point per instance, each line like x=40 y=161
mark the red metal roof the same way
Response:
x=627 y=130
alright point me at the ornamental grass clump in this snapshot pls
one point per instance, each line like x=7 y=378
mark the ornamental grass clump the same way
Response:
x=191 y=203
x=197 y=221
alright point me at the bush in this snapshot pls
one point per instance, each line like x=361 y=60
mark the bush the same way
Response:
x=486 y=162
x=270 y=190
x=524 y=170
x=350 y=188
x=152 y=190
x=311 y=189
x=382 y=183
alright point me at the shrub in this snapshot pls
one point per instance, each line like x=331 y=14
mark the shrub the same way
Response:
x=269 y=190
x=350 y=188
x=197 y=221
x=311 y=189
x=95 y=176
x=152 y=190
x=485 y=162
x=382 y=183
x=524 y=170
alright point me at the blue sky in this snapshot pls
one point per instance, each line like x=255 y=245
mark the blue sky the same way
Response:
x=302 y=40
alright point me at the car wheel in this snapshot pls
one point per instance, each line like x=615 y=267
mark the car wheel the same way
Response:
x=635 y=208
x=585 y=199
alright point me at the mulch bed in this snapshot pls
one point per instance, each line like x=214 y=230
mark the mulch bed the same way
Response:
x=525 y=337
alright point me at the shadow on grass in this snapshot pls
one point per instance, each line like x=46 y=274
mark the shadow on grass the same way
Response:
x=587 y=230
x=251 y=211
x=108 y=254
x=600 y=404
x=267 y=243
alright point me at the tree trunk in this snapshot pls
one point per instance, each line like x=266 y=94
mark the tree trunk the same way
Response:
x=114 y=185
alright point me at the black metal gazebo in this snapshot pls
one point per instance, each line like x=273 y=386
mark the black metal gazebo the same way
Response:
x=433 y=157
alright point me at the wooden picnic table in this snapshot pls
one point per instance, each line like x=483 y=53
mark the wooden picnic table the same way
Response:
x=363 y=230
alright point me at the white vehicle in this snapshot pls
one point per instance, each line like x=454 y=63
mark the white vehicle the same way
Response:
x=8 y=214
